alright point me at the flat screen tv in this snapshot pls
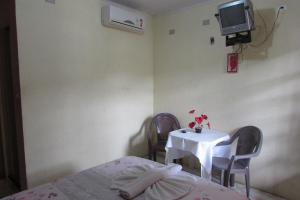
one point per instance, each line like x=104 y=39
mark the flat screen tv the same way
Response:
x=236 y=16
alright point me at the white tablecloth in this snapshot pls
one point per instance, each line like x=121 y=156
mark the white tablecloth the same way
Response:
x=201 y=145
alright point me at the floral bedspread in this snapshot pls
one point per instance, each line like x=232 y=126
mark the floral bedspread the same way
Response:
x=43 y=192
x=94 y=184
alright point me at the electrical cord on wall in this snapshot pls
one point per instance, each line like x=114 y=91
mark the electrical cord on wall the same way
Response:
x=240 y=51
x=267 y=35
x=242 y=47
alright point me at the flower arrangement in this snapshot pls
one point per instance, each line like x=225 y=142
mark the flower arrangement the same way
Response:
x=199 y=121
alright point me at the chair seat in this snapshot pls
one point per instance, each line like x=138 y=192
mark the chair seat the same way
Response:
x=223 y=163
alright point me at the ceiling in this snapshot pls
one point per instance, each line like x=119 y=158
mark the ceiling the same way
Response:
x=156 y=7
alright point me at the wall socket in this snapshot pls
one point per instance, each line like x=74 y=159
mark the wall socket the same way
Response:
x=282 y=7
x=172 y=32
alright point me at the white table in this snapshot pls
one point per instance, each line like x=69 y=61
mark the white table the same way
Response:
x=201 y=145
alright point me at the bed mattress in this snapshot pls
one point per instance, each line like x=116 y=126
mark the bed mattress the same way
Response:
x=94 y=184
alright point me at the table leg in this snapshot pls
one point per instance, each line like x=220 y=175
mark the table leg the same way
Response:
x=204 y=174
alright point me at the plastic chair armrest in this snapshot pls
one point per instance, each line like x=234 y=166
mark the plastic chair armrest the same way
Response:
x=246 y=156
x=229 y=141
x=225 y=143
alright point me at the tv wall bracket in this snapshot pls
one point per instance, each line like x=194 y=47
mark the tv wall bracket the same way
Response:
x=238 y=38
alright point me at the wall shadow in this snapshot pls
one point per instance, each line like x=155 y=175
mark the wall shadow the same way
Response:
x=285 y=187
x=138 y=145
x=50 y=174
x=258 y=48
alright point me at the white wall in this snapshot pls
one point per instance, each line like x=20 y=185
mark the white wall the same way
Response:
x=84 y=98
x=86 y=89
x=190 y=73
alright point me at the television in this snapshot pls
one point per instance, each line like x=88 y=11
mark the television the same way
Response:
x=236 y=17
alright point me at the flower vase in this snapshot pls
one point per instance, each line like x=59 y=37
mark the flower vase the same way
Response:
x=198 y=129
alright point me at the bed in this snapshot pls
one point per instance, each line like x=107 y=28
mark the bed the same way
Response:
x=95 y=184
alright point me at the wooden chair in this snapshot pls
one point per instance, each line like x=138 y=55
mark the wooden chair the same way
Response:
x=248 y=146
x=163 y=124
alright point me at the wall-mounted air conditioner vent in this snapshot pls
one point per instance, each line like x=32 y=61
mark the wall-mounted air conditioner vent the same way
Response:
x=122 y=18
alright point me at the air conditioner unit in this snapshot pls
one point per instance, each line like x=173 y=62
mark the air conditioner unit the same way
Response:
x=123 y=18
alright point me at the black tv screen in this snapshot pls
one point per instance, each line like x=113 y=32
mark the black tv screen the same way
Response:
x=232 y=16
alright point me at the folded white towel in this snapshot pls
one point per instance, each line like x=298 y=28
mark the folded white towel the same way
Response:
x=171 y=188
x=171 y=170
x=130 y=185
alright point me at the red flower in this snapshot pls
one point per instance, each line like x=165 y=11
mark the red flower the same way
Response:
x=192 y=124
x=199 y=120
x=204 y=117
x=192 y=111
x=208 y=125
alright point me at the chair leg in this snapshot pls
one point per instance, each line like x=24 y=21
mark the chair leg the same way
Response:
x=154 y=156
x=150 y=155
x=247 y=178
x=226 y=179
